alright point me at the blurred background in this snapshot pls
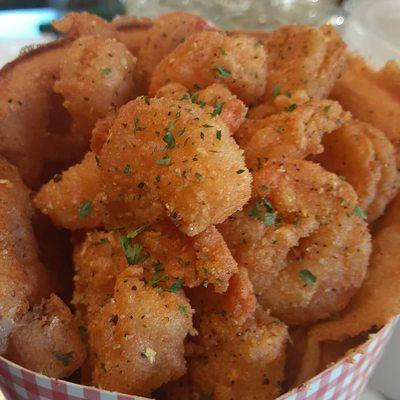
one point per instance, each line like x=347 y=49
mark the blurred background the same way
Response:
x=370 y=27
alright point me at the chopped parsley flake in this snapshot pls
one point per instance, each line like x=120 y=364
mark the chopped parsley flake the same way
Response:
x=198 y=176
x=262 y=210
x=207 y=126
x=169 y=140
x=146 y=100
x=360 y=212
x=182 y=262
x=181 y=132
x=218 y=134
x=326 y=109
x=240 y=171
x=182 y=308
x=264 y=187
x=133 y=234
x=222 y=72
x=258 y=43
x=280 y=129
x=165 y=161
x=204 y=283
x=275 y=90
x=176 y=286
x=64 y=358
x=158 y=274
x=307 y=277
x=217 y=109
x=136 y=126
x=105 y=71
x=222 y=51
x=127 y=169
x=133 y=255
x=291 y=108
x=85 y=209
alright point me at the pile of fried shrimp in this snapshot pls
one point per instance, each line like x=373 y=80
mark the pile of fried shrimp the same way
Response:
x=189 y=213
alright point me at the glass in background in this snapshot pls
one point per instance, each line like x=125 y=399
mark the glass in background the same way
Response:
x=247 y=14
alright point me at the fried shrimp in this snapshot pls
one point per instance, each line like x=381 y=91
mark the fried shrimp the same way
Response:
x=374 y=305
x=138 y=337
x=169 y=259
x=302 y=240
x=301 y=57
x=233 y=362
x=96 y=76
x=372 y=96
x=212 y=57
x=166 y=157
x=365 y=158
x=73 y=199
x=167 y=32
x=23 y=279
x=47 y=340
x=76 y=24
x=294 y=133
x=230 y=109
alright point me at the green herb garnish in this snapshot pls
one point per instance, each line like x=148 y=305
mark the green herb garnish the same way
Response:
x=360 y=212
x=176 y=286
x=222 y=72
x=64 y=358
x=275 y=90
x=165 y=161
x=307 y=277
x=85 y=209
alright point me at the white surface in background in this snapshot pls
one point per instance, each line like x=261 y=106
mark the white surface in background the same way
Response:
x=379 y=46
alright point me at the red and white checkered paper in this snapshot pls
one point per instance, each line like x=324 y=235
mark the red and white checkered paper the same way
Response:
x=343 y=381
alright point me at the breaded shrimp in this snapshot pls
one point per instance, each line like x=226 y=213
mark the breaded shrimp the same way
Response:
x=73 y=199
x=167 y=157
x=168 y=259
x=230 y=109
x=372 y=96
x=138 y=337
x=76 y=24
x=303 y=57
x=212 y=57
x=365 y=158
x=233 y=362
x=293 y=133
x=96 y=76
x=167 y=32
x=302 y=239
x=23 y=279
x=374 y=305
x=47 y=340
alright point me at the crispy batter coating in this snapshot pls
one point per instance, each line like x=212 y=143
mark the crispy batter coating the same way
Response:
x=167 y=257
x=139 y=337
x=365 y=158
x=212 y=57
x=301 y=57
x=374 y=305
x=238 y=303
x=170 y=157
x=302 y=240
x=372 y=96
x=47 y=340
x=76 y=24
x=167 y=32
x=23 y=279
x=290 y=134
x=100 y=131
x=233 y=362
x=73 y=199
x=230 y=109
x=96 y=75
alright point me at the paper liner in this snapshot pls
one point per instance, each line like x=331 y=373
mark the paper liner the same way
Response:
x=343 y=381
